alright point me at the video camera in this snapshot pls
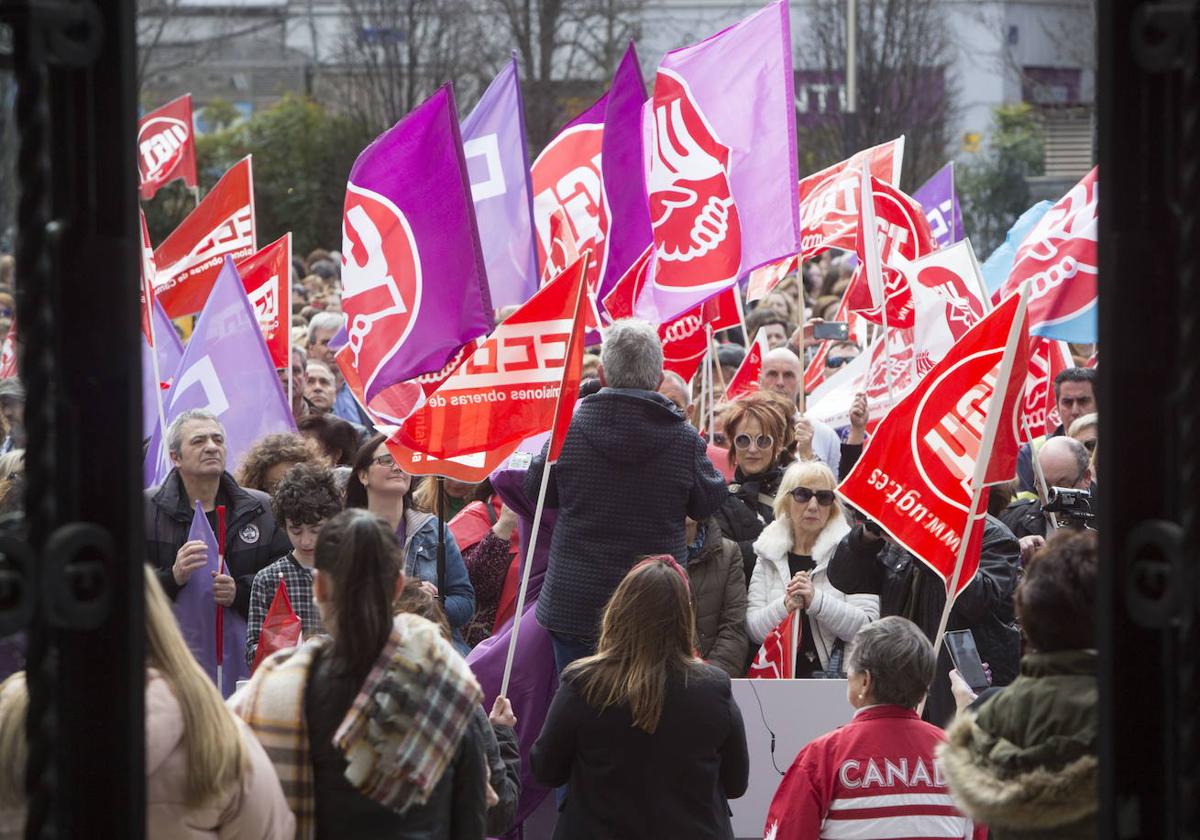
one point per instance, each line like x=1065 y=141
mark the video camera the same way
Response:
x=1072 y=508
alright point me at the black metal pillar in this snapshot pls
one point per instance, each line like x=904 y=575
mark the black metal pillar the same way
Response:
x=1149 y=107
x=77 y=276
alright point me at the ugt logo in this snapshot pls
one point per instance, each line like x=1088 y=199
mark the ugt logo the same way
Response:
x=569 y=202
x=697 y=234
x=161 y=143
x=381 y=278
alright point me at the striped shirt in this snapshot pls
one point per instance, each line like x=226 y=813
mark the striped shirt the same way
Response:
x=874 y=778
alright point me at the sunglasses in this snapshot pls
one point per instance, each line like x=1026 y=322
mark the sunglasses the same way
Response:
x=1090 y=445
x=838 y=361
x=744 y=440
x=804 y=495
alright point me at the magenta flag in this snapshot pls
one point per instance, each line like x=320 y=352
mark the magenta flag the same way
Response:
x=623 y=171
x=196 y=614
x=722 y=169
x=413 y=279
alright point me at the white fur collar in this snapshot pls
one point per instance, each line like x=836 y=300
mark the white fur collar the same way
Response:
x=775 y=541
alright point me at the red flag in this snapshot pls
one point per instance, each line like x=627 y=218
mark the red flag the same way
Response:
x=1059 y=258
x=572 y=372
x=166 y=146
x=776 y=658
x=266 y=277
x=1039 y=409
x=509 y=387
x=147 y=285
x=189 y=260
x=903 y=234
x=922 y=476
x=685 y=340
x=745 y=379
x=8 y=353
x=765 y=278
x=621 y=301
x=829 y=199
x=281 y=627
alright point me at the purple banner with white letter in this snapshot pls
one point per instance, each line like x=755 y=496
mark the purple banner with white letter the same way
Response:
x=414 y=287
x=227 y=370
x=722 y=176
x=196 y=613
x=940 y=202
x=498 y=166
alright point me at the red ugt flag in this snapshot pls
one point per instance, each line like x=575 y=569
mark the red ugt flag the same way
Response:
x=281 y=628
x=829 y=198
x=745 y=378
x=166 y=146
x=266 y=276
x=776 y=659
x=918 y=474
x=147 y=288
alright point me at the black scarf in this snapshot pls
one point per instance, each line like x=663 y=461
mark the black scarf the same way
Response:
x=750 y=487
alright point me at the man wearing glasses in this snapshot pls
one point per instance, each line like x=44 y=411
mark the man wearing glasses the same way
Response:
x=1066 y=463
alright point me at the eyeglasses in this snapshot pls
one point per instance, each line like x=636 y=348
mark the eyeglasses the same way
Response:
x=803 y=495
x=1090 y=445
x=384 y=461
x=744 y=440
x=838 y=361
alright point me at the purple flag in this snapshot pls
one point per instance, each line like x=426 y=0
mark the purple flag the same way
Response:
x=498 y=166
x=722 y=173
x=226 y=369
x=170 y=351
x=940 y=202
x=196 y=614
x=623 y=172
x=414 y=286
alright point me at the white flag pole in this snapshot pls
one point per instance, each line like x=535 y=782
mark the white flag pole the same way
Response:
x=985 y=454
x=872 y=265
x=541 y=499
x=795 y=634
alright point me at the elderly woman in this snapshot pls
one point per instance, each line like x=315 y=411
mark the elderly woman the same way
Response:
x=758 y=433
x=876 y=776
x=792 y=572
x=1086 y=430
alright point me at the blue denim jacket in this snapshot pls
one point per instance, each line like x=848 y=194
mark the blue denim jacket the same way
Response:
x=420 y=562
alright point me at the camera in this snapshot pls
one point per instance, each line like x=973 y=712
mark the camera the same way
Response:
x=1072 y=508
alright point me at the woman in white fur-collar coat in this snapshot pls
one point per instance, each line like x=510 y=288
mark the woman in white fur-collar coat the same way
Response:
x=791 y=572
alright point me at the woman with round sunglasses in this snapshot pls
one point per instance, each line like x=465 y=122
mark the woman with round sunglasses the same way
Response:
x=791 y=575
x=378 y=484
x=757 y=429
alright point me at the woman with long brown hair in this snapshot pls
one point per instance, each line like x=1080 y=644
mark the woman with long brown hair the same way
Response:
x=647 y=736
x=206 y=775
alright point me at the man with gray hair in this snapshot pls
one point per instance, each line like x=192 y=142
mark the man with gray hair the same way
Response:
x=196 y=443
x=321 y=330
x=631 y=471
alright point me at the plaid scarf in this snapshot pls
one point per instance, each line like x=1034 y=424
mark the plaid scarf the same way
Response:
x=399 y=735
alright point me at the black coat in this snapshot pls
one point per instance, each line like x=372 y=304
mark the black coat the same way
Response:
x=631 y=470
x=626 y=784
x=908 y=588
x=1025 y=519
x=747 y=510
x=252 y=539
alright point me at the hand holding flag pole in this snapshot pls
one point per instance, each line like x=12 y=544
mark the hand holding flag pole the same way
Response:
x=220 y=623
x=562 y=419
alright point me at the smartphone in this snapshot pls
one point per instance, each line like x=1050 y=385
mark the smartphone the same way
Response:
x=965 y=656
x=831 y=331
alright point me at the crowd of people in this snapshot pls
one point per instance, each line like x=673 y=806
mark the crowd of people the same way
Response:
x=676 y=551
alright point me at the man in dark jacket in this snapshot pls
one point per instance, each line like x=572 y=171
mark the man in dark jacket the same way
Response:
x=196 y=443
x=630 y=471
x=866 y=562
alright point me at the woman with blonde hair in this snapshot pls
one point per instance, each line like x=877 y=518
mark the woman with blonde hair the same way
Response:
x=206 y=774
x=791 y=574
x=646 y=735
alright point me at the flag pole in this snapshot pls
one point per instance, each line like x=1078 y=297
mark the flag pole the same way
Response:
x=288 y=321
x=220 y=620
x=981 y=464
x=873 y=268
x=1039 y=476
x=795 y=633
x=541 y=499
x=441 y=547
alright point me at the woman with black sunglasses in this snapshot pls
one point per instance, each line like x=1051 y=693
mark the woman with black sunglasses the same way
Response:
x=791 y=573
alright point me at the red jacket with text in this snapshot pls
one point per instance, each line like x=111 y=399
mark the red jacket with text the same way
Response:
x=874 y=777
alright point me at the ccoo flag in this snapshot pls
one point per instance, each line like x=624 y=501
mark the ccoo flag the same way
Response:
x=722 y=162
x=414 y=287
x=498 y=165
x=225 y=369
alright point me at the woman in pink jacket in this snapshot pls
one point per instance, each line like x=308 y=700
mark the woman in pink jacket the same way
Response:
x=206 y=775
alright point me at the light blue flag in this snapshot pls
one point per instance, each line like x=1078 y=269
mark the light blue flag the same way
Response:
x=998 y=266
x=226 y=369
x=498 y=166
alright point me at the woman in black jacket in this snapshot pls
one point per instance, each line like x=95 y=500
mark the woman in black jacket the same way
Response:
x=647 y=737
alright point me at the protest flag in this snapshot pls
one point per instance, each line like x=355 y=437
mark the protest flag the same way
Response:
x=939 y=200
x=8 y=353
x=776 y=657
x=1059 y=259
x=1039 y=409
x=196 y=612
x=150 y=308
x=225 y=369
x=829 y=199
x=166 y=147
x=498 y=165
x=188 y=261
x=621 y=300
x=745 y=379
x=998 y=265
x=923 y=475
x=414 y=286
x=281 y=627
x=568 y=393
x=266 y=277
x=722 y=162
x=160 y=361
x=685 y=340
x=765 y=278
